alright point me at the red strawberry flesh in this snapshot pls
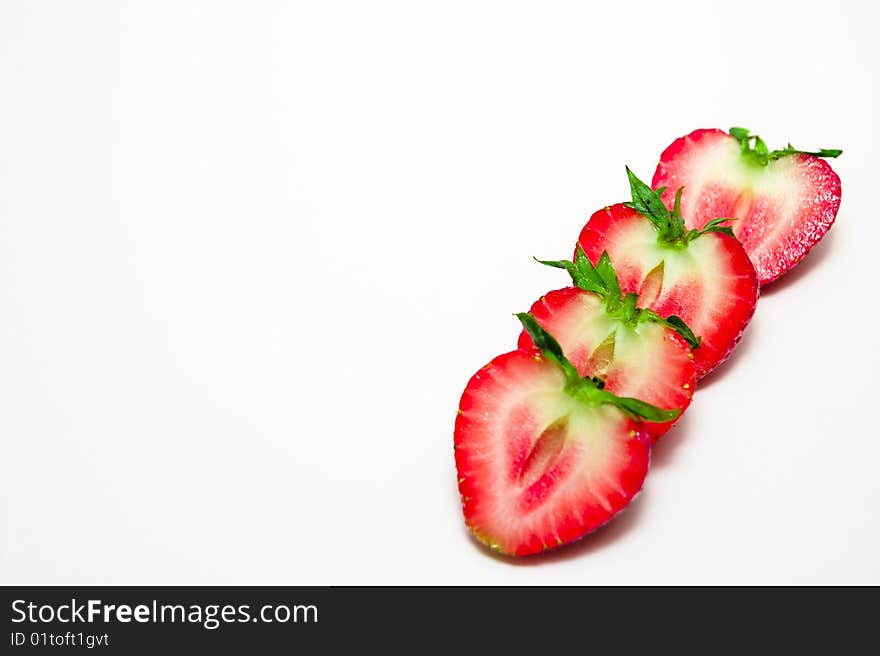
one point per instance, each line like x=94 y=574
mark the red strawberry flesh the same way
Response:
x=648 y=361
x=782 y=208
x=710 y=283
x=537 y=468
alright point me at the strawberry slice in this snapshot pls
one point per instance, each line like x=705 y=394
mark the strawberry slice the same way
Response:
x=703 y=276
x=545 y=456
x=634 y=350
x=784 y=201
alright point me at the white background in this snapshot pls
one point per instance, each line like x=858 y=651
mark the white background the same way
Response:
x=251 y=252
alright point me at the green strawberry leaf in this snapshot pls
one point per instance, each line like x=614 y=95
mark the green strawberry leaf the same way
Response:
x=601 y=280
x=583 y=273
x=585 y=269
x=760 y=155
x=740 y=134
x=676 y=323
x=676 y=220
x=609 y=276
x=760 y=146
x=791 y=150
x=714 y=225
x=679 y=326
x=727 y=230
x=628 y=313
x=647 y=202
x=547 y=344
x=636 y=409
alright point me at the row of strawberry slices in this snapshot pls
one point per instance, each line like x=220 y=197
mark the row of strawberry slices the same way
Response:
x=553 y=439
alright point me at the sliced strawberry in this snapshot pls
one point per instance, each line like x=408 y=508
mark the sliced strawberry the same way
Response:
x=784 y=201
x=636 y=352
x=543 y=455
x=702 y=276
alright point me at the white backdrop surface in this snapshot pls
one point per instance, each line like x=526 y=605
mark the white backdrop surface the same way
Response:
x=250 y=253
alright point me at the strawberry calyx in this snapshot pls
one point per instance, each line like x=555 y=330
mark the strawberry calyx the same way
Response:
x=589 y=390
x=602 y=280
x=755 y=151
x=670 y=225
x=627 y=312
